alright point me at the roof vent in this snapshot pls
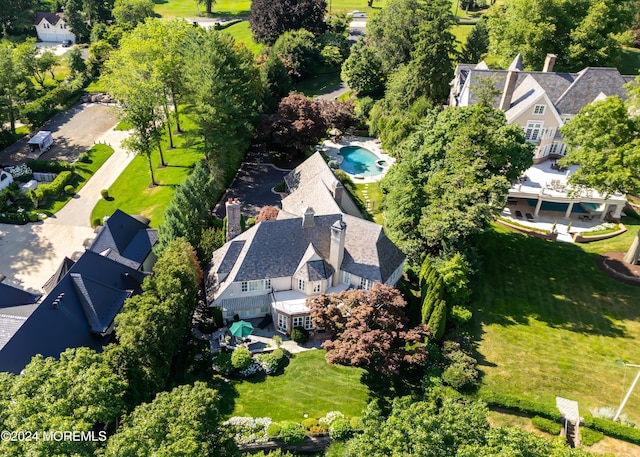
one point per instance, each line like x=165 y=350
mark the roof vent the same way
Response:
x=57 y=301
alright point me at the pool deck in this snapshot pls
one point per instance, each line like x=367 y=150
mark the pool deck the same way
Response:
x=331 y=148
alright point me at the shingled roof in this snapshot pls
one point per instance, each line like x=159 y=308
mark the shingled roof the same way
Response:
x=52 y=18
x=569 y=92
x=285 y=248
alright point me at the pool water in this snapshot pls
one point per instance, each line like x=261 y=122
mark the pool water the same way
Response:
x=359 y=161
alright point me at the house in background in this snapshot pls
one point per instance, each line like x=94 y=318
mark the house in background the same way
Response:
x=315 y=246
x=83 y=298
x=16 y=305
x=541 y=102
x=52 y=27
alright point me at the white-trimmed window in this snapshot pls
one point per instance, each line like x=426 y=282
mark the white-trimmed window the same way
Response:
x=45 y=25
x=282 y=322
x=252 y=286
x=539 y=109
x=317 y=286
x=366 y=284
x=301 y=285
x=532 y=131
x=298 y=321
x=308 y=322
x=346 y=277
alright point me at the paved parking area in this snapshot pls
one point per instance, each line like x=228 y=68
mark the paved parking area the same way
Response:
x=74 y=132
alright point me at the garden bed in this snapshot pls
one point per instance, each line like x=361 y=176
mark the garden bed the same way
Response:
x=588 y=237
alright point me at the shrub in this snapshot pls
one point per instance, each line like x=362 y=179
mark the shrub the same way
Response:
x=96 y=221
x=520 y=404
x=460 y=314
x=273 y=431
x=310 y=422
x=356 y=423
x=462 y=371
x=216 y=315
x=21 y=170
x=613 y=429
x=299 y=52
x=330 y=417
x=340 y=429
x=291 y=432
x=590 y=437
x=334 y=164
x=251 y=222
x=248 y=430
x=105 y=194
x=546 y=425
x=33 y=217
x=278 y=353
x=280 y=187
x=300 y=335
x=69 y=190
x=267 y=361
x=222 y=362
x=49 y=166
x=241 y=358
x=277 y=339
x=316 y=430
x=85 y=157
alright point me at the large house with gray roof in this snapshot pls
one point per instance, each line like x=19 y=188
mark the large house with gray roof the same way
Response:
x=541 y=102
x=318 y=244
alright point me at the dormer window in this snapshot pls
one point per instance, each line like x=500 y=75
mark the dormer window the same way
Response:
x=539 y=109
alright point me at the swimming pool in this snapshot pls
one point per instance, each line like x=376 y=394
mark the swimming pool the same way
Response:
x=359 y=161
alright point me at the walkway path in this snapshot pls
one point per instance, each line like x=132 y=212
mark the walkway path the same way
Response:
x=31 y=253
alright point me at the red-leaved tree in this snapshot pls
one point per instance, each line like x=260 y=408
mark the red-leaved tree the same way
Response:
x=370 y=329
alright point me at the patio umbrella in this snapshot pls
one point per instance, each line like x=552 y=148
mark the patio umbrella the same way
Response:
x=241 y=329
x=335 y=132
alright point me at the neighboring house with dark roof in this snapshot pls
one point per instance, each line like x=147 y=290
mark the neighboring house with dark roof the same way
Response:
x=315 y=246
x=16 y=305
x=52 y=27
x=128 y=240
x=79 y=311
x=541 y=102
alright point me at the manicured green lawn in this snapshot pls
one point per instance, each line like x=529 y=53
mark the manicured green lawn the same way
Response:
x=630 y=62
x=242 y=33
x=375 y=200
x=98 y=155
x=317 y=84
x=549 y=323
x=308 y=386
x=131 y=192
x=461 y=32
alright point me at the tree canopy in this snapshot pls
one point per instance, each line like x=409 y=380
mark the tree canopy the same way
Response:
x=271 y=18
x=371 y=329
x=604 y=139
x=453 y=171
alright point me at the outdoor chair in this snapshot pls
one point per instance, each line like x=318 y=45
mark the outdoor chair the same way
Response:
x=530 y=217
x=518 y=214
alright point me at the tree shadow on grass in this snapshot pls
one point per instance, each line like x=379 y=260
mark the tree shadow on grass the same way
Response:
x=556 y=283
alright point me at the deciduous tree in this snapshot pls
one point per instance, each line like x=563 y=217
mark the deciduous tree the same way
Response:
x=362 y=71
x=370 y=329
x=129 y=13
x=271 y=18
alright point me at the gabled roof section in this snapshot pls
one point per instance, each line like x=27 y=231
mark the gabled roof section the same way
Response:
x=589 y=83
x=312 y=266
x=516 y=64
x=127 y=236
x=310 y=184
x=526 y=96
x=12 y=296
x=49 y=329
x=51 y=18
x=62 y=270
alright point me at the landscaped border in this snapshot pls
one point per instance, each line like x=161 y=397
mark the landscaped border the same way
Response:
x=532 y=232
x=579 y=238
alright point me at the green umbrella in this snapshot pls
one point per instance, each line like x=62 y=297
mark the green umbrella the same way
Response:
x=241 y=329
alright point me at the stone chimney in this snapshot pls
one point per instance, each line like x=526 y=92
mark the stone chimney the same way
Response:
x=336 y=249
x=509 y=88
x=337 y=189
x=549 y=62
x=308 y=217
x=233 y=218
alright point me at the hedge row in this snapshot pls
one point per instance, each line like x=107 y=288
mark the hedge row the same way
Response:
x=520 y=404
x=40 y=110
x=54 y=187
x=18 y=218
x=546 y=425
x=613 y=429
x=49 y=166
x=609 y=428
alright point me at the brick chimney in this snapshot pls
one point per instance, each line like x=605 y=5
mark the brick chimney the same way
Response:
x=336 y=190
x=549 y=62
x=509 y=88
x=308 y=217
x=233 y=218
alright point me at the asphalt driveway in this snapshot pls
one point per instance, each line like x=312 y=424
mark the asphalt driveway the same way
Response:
x=74 y=132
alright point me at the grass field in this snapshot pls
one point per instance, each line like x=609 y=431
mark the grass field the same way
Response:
x=319 y=83
x=242 y=33
x=374 y=195
x=189 y=8
x=308 y=386
x=98 y=155
x=131 y=192
x=549 y=323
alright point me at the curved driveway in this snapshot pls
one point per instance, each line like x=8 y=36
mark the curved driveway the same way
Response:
x=30 y=254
